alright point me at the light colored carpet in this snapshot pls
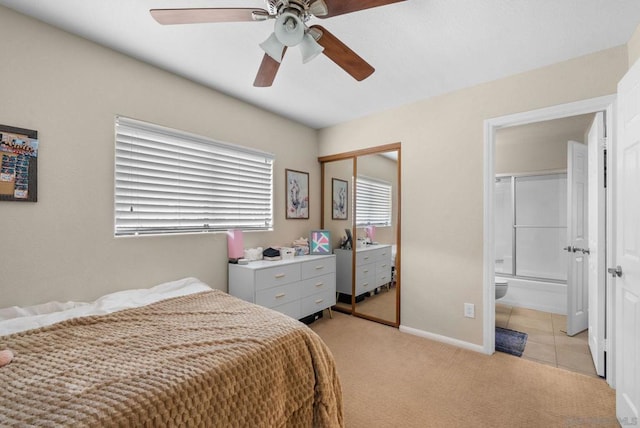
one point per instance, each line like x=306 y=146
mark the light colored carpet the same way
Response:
x=393 y=379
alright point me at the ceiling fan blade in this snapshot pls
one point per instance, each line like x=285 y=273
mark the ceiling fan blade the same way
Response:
x=342 y=55
x=204 y=15
x=267 y=71
x=340 y=7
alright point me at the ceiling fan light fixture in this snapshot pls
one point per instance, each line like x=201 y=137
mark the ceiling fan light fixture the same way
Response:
x=315 y=33
x=309 y=48
x=318 y=8
x=273 y=47
x=289 y=29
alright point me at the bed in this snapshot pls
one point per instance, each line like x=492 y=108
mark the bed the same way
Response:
x=201 y=359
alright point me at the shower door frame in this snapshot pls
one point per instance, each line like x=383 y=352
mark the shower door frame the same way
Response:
x=514 y=226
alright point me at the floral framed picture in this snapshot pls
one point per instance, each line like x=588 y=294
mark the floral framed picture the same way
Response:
x=297 y=191
x=340 y=200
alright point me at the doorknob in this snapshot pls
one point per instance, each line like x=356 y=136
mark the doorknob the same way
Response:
x=569 y=249
x=587 y=251
x=615 y=272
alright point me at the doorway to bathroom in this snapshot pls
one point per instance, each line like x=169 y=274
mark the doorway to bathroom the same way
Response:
x=535 y=240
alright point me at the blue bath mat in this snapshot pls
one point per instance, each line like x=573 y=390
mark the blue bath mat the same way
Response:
x=510 y=341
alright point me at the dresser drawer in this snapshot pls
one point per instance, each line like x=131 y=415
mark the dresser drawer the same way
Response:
x=383 y=254
x=364 y=257
x=318 y=284
x=277 y=275
x=383 y=278
x=291 y=309
x=275 y=296
x=320 y=267
x=368 y=270
x=383 y=267
x=365 y=283
x=318 y=302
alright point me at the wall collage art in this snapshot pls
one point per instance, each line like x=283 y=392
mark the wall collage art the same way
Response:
x=18 y=164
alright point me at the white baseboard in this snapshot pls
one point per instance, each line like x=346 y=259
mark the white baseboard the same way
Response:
x=443 y=339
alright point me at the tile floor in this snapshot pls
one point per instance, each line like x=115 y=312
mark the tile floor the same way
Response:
x=547 y=342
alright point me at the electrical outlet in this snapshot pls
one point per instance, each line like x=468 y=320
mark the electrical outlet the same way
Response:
x=469 y=310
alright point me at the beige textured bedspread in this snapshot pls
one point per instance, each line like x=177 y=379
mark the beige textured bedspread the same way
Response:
x=207 y=359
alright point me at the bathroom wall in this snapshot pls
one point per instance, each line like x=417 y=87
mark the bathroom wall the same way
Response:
x=540 y=146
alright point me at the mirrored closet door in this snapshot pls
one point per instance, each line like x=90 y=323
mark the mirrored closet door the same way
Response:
x=361 y=208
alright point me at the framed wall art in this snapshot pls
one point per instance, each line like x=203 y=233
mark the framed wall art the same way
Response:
x=18 y=164
x=340 y=199
x=320 y=242
x=297 y=191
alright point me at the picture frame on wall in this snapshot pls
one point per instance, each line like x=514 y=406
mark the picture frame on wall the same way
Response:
x=297 y=194
x=340 y=199
x=18 y=164
x=320 y=242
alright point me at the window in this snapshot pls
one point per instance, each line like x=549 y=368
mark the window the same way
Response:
x=169 y=181
x=373 y=202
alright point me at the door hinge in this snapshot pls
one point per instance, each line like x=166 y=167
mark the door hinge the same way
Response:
x=605 y=166
x=604 y=143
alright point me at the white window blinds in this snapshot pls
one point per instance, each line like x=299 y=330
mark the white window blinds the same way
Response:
x=373 y=202
x=169 y=181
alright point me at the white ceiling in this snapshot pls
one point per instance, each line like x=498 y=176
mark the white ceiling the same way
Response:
x=420 y=48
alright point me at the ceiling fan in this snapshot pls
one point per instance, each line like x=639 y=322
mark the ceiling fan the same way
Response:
x=290 y=30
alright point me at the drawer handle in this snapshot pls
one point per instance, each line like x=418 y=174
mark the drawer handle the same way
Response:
x=280 y=296
x=366 y=258
x=280 y=275
x=366 y=284
x=384 y=277
x=384 y=254
x=384 y=265
x=319 y=284
x=366 y=271
x=319 y=267
x=319 y=301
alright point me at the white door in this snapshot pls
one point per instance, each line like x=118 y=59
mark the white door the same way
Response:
x=577 y=234
x=597 y=267
x=627 y=286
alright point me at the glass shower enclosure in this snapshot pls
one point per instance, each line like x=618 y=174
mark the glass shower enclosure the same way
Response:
x=531 y=226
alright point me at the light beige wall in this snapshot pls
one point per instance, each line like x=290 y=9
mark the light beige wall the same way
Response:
x=633 y=47
x=442 y=180
x=527 y=157
x=521 y=158
x=69 y=89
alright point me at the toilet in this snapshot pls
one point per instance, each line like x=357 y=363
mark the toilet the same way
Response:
x=501 y=287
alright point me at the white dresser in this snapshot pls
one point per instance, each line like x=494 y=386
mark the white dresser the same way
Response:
x=373 y=268
x=298 y=287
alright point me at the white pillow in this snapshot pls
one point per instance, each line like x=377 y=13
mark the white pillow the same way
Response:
x=41 y=309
